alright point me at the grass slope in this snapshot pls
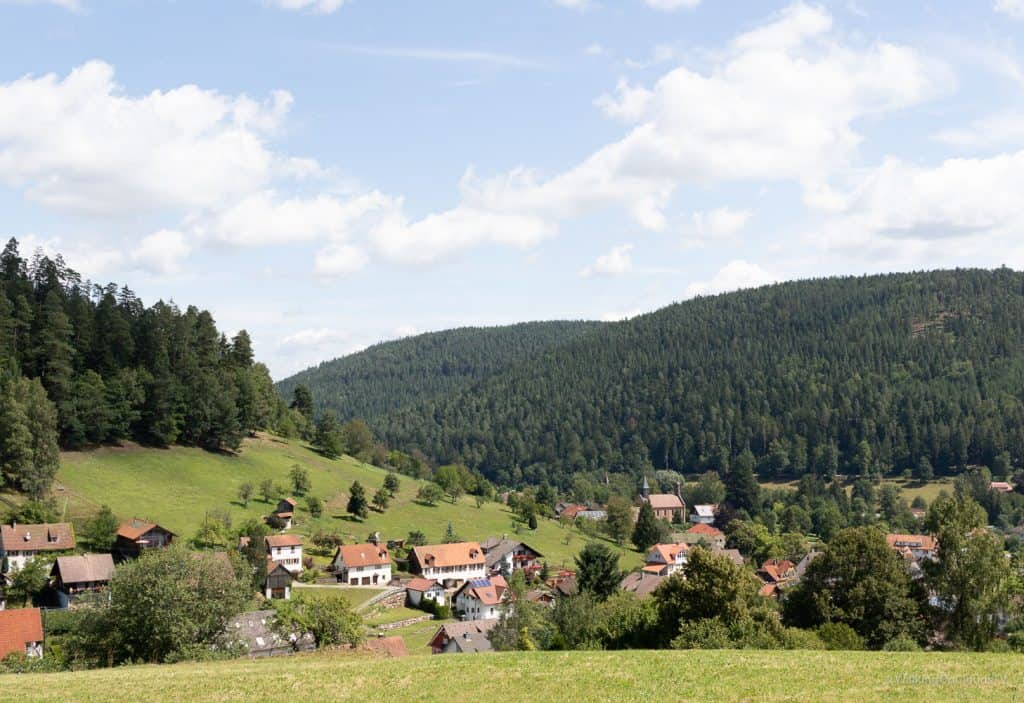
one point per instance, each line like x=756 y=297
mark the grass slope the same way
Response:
x=178 y=486
x=540 y=677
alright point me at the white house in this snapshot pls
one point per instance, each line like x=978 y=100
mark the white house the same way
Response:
x=449 y=563
x=482 y=599
x=703 y=514
x=666 y=559
x=418 y=590
x=362 y=564
x=285 y=550
x=19 y=544
x=507 y=555
x=917 y=546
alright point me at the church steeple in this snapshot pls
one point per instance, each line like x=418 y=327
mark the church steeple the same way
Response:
x=645 y=489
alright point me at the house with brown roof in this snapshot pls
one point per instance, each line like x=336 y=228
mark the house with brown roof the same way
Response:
x=419 y=590
x=706 y=535
x=451 y=564
x=666 y=559
x=641 y=583
x=277 y=585
x=82 y=574
x=136 y=536
x=285 y=550
x=21 y=632
x=471 y=637
x=508 y=555
x=667 y=506
x=285 y=511
x=362 y=564
x=482 y=599
x=19 y=544
x=916 y=547
x=777 y=571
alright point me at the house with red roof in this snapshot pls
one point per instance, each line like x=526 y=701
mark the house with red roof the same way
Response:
x=285 y=511
x=711 y=537
x=285 y=550
x=420 y=589
x=482 y=599
x=667 y=506
x=451 y=564
x=914 y=547
x=21 y=632
x=362 y=564
x=136 y=536
x=666 y=559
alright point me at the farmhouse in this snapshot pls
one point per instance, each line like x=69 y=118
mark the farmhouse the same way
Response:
x=82 y=574
x=136 y=536
x=667 y=506
x=418 y=590
x=278 y=583
x=917 y=547
x=507 y=555
x=285 y=511
x=19 y=544
x=482 y=599
x=706 y=535
x=463 y=637
x=362 y=564
x=451 y=564
x=21 y=632
x=703 y=514
x=285 y=550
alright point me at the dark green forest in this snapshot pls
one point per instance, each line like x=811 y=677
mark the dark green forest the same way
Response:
x=872 y=375
x=393 y=375
x=84 y=364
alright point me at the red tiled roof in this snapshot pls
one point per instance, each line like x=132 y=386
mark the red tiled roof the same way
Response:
x=363 y=555
x=458 y=554
x=777 y=570
x=925 y=543
x=289 y=501
x=283 y=541
x=47 y=537
x=420 y=585
x=136 y=528
x=667 y=552
x=705 y=530
x=18 y=628
x=87 y=568
x=488 y=592
x=655 y=568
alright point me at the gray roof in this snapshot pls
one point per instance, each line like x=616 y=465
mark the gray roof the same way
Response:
x=470 y=637
x=732 y=554
x=497 y=549
x=87 y=568
x=805 y=562
x=255 y=631
x=641 y=584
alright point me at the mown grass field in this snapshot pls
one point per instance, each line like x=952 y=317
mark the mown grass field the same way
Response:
x=540 y=677
x=176 y=487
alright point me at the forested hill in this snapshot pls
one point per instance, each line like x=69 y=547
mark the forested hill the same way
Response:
x=394 y=375
x=84 y=364
x=858 y=375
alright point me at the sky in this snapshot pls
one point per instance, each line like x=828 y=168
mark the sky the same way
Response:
x=328 y=174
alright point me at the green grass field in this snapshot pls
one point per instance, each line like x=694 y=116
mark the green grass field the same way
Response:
x=553 y=676
x=176 y=487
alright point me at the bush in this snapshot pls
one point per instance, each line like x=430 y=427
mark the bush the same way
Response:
x=709 y=633
x=901 y=643
x=840 y=636
x=796 y=638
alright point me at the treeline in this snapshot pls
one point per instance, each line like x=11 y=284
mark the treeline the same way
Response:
x=916 y=373
x=84 y=364
x=393 y=375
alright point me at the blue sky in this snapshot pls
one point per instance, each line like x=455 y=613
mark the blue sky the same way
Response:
x=328 y=174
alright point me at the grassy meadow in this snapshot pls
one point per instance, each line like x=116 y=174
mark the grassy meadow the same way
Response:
x=540 y=677
x=176 y=487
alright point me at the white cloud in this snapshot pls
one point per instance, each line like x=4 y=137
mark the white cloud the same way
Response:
x=718 y=224
x=672 y=5
x=324 y=7
x=265 y=218
x=615 y=263
x=1013 y=8
x=595 y=50
x=79 y=144
x=339 y=260
x=574 y=4
x=735 y=275
x=447 y=55
x=996 y=130
x=161 y=252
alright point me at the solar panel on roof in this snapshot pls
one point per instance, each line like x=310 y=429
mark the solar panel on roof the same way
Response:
x=479 y=583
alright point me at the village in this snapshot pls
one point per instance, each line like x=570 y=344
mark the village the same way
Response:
x=468 y=587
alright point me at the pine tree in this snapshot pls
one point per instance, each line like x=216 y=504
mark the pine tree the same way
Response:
x=357 y=503
x=449 y=535
x=742 y=490
x=647 y=531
